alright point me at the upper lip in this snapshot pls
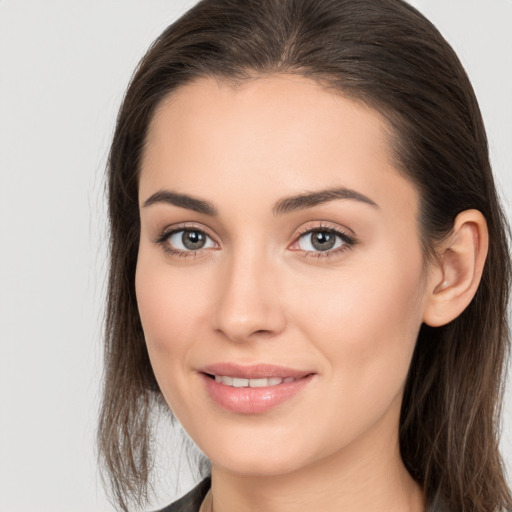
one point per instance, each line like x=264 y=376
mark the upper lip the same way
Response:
x=254 y=371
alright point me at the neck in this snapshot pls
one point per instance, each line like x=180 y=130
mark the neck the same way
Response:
x=367 y=475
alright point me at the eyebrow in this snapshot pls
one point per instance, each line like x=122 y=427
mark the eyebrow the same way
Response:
x=310 y=199
x=281 y=207
x=183 y=201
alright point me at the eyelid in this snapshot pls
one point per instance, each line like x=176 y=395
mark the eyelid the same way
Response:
x=168 y=231
x=183 y=226
x=350 y=240
x=327 y=226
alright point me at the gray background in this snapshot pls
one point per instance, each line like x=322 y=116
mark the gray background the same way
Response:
x=63 y=69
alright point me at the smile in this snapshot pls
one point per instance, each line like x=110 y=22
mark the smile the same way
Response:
x=238 y=382
x=253 y=389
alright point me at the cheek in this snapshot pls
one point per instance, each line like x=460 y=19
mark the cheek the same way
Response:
x=166 y=307
x=365 y=320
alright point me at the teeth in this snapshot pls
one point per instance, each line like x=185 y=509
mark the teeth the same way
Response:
x=240 y=383
x=226 y=380
x=252 y=383
x=258 y=383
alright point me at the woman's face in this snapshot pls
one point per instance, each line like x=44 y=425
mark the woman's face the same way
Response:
x=280 y=252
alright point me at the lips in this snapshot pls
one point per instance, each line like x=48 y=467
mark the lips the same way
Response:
x=253 y=389
x=259 y=371
x=238 y=382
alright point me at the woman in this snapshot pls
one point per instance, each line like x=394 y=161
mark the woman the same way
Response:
x=309 y=263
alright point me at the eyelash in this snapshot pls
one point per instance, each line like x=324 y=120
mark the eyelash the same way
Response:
x=348 y=241
x=163 y=240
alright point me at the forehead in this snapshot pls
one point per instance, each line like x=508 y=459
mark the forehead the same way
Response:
x=275 y=111
x=268 y=137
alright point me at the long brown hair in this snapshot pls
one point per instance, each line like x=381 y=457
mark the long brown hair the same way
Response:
x=387 y=55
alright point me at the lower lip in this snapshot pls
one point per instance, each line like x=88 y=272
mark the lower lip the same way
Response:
x=253 y=400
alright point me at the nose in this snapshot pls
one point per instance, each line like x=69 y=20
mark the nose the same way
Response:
x=248 y=305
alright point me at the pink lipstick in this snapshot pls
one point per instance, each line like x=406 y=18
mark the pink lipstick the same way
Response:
x=252 y=389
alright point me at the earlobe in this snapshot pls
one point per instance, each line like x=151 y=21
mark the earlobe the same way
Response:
x=461 y=258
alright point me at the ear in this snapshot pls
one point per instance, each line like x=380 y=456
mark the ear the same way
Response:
x=455 y=276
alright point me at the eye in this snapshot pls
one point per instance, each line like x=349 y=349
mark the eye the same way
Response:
x=186 y=240
x=323 y=240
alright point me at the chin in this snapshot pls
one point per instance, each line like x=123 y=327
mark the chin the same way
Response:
x=257 y=465
x=262 y=455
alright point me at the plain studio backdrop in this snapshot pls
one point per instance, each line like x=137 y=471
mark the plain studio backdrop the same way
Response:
x=63 y=69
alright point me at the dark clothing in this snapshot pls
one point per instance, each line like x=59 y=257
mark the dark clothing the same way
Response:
x=192 y=501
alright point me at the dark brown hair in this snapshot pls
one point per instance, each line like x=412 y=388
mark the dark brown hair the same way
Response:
x=387 y=55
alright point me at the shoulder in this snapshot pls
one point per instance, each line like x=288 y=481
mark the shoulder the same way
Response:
x=192 y=500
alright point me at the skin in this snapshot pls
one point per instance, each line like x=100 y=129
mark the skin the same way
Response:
x=259 y=293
